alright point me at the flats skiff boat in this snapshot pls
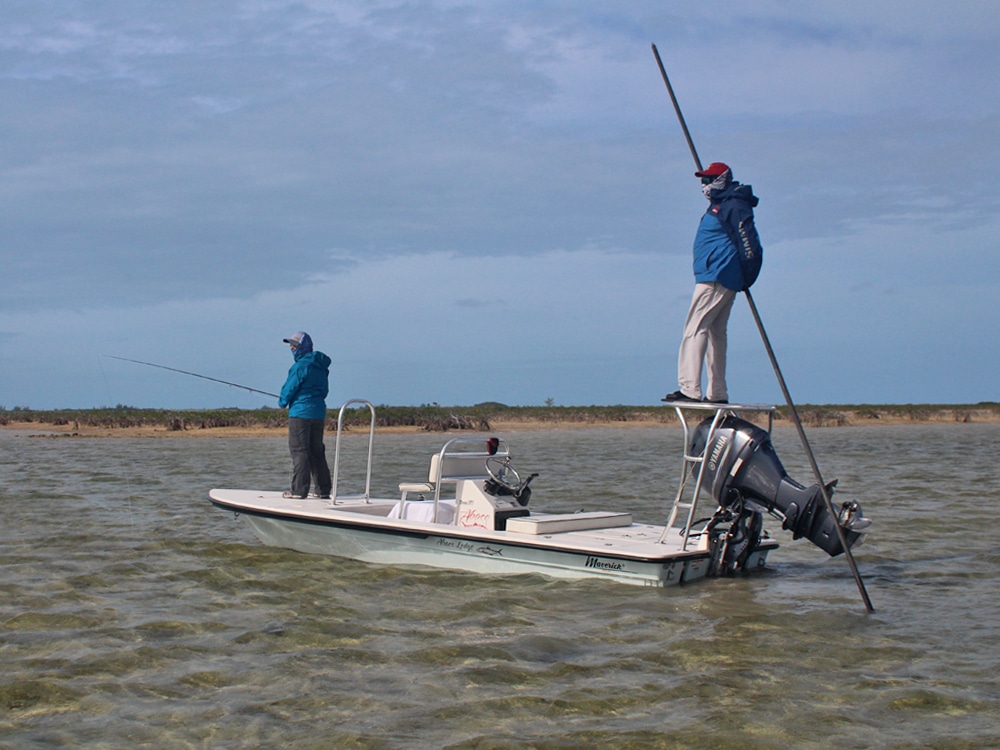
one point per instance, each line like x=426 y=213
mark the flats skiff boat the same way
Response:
x=472 y=513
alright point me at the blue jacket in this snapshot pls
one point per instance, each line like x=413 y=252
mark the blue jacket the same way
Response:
x=308 y=383
x=727 y=249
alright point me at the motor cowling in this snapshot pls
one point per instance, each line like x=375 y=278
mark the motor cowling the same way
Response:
x=740 y=465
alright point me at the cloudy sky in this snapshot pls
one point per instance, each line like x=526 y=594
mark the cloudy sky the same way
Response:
x=491 y=201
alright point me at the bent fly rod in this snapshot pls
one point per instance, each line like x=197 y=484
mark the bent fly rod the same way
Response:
x=849 y=556
x=193 y=374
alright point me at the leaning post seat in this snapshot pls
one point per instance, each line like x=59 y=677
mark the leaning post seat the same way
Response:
x=423 y=487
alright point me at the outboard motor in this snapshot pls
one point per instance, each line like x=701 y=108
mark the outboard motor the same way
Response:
x=741 y=468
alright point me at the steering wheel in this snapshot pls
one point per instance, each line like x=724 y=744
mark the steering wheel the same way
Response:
x=503 y=473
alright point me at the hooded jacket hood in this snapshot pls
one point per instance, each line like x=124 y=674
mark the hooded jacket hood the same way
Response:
x=735 y=190
x=305 y=344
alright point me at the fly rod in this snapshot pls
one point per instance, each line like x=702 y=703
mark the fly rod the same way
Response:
x=193 y=374
x=848 y=555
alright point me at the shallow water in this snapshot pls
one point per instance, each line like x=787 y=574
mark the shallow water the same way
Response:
x=134 y=614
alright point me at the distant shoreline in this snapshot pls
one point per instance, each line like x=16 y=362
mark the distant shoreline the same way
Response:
x=130 y=422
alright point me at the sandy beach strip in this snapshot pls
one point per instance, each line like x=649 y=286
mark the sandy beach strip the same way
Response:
x=811 y=417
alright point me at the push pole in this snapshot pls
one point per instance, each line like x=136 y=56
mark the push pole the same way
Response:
x=677 y=108
x=849 y=556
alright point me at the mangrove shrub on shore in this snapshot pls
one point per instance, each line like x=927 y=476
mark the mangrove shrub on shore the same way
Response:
x=480 y=417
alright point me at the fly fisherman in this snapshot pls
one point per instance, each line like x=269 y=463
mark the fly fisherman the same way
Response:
x=727 y=259
x=304 y=393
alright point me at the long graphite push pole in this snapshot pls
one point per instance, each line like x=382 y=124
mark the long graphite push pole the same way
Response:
x=677 y=108
x=193 y=374
x=777 y=371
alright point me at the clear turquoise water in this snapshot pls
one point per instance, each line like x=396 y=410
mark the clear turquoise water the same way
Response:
x=134 y=614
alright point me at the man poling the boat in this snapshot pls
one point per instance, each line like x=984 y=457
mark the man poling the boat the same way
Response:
x=727 y=260
x=304 y=394
x=824 y=489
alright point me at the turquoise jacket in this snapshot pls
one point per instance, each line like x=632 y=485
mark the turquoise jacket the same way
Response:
x=308 y=383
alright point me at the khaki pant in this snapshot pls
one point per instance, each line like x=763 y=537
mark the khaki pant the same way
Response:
x=705 y=341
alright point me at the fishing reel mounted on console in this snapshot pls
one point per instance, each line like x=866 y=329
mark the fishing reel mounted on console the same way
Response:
x=745 y=477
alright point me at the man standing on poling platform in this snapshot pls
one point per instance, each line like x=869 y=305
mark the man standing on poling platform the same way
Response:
x=727 y=260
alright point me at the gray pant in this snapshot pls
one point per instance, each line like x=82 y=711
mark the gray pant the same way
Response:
x=705 y=341
x=305 y=442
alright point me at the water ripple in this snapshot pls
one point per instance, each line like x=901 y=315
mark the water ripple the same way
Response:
x=134 y=614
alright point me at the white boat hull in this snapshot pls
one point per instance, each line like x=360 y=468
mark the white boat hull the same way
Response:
x=363 y=531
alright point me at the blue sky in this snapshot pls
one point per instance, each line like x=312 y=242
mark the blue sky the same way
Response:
x=491 y=201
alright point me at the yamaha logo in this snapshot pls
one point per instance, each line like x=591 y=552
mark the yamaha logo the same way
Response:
x=717 y=449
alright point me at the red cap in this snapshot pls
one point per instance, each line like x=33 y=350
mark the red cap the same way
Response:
x=713 y=170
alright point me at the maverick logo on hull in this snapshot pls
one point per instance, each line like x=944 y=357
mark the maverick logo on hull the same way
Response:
x=596 y=562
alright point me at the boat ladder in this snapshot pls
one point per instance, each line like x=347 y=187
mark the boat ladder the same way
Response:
x=686 y=502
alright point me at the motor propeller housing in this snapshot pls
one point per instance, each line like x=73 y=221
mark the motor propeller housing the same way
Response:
x=741 y=464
